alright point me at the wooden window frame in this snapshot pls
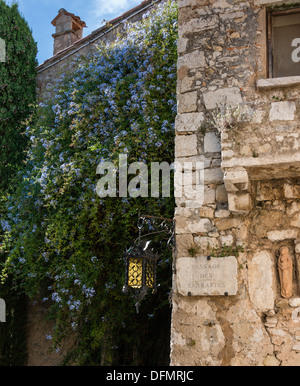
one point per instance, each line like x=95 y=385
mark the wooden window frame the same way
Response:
x=270 y=14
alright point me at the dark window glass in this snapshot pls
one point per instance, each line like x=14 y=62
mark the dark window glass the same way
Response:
x=285 y=31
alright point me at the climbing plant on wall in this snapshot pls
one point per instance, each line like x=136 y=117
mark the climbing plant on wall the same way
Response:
x=62 y=239
x=17 y=105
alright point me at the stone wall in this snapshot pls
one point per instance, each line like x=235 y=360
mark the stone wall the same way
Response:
x=39 y=331
x=244 y=128
x=51 y=69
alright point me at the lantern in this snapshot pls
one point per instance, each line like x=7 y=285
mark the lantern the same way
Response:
x=140 y=271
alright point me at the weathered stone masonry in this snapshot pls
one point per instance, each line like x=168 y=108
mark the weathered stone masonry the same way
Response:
x=252 y=186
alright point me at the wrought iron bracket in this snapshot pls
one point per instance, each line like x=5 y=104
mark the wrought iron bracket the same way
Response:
x=160 y=225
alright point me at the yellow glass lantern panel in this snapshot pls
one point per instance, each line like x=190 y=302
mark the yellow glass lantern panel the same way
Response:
x=150 y=274
x=135 y=273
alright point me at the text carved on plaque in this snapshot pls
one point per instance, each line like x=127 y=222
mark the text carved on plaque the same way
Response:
x=198 y=276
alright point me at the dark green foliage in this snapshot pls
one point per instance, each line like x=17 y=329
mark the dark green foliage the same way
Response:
x=17 y=90
x=13 y=348
x=62 y=237
x=17 y=105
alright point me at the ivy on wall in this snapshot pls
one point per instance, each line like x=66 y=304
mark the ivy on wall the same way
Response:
x=64 y=241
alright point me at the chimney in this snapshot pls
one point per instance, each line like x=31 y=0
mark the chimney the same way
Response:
x=69 y=30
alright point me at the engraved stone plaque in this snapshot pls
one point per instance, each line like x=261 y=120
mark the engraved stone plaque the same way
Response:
x=198 y=276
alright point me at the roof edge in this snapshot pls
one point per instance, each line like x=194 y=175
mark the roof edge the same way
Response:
x=95 y=34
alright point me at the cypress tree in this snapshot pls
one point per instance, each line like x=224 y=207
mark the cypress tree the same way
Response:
x=17 y=105
x=17 y=89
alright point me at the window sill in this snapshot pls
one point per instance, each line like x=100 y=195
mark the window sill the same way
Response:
x=272 y=2
x=265 y=84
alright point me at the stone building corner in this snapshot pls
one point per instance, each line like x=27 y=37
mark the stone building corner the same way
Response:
x=242 y=123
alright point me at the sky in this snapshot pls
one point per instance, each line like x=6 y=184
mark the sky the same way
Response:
x=40 y=13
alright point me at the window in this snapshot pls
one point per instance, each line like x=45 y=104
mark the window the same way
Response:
x=284 y=43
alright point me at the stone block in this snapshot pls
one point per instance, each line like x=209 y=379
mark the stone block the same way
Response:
x=186 y=145
x=227 y=240
x=208 y=212
x=291 y=191
x=227 y=223
x=261 y=279
x=282 y=111
x=187 y=103
x=185 y=83
x=186 y=3
x=286 y=234
x=189 y=203
x=271 y=322
x=297 y=248
x=241 y=203
x=271 y=361
x=206 y=242
x=295 y=221
x=222 y=213
x=213 y=176
x=237 y=180
x=192 y=60
x=181 y=45
x=227 y=154
x=296 y=347
x=222 y=97
x=190 y=122
x=221 y=193
x=192 y=225
x=209 y=196
x=294 y=303
x=296 y=315
x=229 y=16
x=221 y=4
x=212 y=143
x=183 y=243
x=198 y=24
x=186 y=212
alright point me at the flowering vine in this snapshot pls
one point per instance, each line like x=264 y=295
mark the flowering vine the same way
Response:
x=59 y=238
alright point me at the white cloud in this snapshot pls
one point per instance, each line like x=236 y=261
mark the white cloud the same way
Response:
x=108 y=9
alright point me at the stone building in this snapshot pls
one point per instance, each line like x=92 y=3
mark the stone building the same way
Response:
x=69 y=44
x=238 y=115
x=236 y=291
